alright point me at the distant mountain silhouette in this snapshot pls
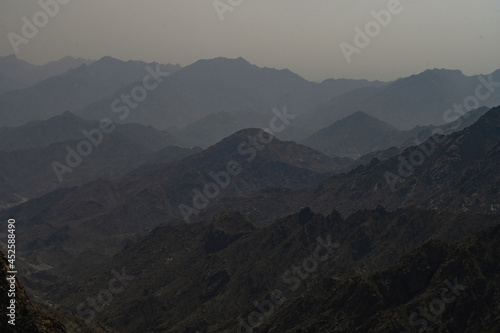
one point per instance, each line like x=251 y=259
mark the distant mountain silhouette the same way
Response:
x=72 y=90
x=421 y=99
x=360 y=134
x=353 y=136
x=233 y=87
x=18 y=74
x=67 y=127
x=27 y=154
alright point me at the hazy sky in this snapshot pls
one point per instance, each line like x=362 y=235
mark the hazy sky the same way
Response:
x=303 y=36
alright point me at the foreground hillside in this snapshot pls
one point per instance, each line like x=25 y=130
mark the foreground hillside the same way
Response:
x=322 y=273
x=27 y=318
x=436 y=288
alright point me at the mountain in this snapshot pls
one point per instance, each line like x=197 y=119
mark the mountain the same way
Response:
x=421 y=99
x=18 y=74
x=223 y=86
x=203 y=277
x=268 y=184
x=38 y=318
x=359 y=134
x=253 y=247
x=432 y=287
x=72 y=90
x=30 y=173
x=28 y=154
x=454 y=173
x=63 y=224
x=67 y=126
x=353 y=136
x=41 y=133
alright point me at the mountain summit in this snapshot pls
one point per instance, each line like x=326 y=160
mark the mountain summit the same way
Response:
x=353 y=136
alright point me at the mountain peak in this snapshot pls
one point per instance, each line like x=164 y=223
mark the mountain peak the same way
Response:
x=238 y=60
x=360 y=118
x=441 y=73
x=442 y=70
x=107 y=60
x=220 y=61
x=353 y=136
x=359 y=115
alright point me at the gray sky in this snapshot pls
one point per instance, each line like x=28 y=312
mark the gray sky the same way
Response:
x=303 y=36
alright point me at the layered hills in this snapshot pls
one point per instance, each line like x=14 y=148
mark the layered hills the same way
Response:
x=128 y=230
x=18 y=74
x=453 y=173
x=217 y=97
x=94 y=219
x=435 y=97
x=43 y=156
x=72 y=90
x=211 y=277
x=360 y=134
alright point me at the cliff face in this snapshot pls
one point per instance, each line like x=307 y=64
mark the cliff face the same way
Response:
x=28 y=318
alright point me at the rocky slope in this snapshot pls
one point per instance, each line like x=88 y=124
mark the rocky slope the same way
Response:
x=204 y=277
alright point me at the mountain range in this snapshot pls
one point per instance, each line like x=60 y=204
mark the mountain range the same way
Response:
x=108 y=211
x=18 y=74
x=221 y=96
x=231 y=87
x=426 y=175
x=72 y=90
x=360 y=134
x=433 y=97
x=229 y=197
x=28 y=154
x=194 y=273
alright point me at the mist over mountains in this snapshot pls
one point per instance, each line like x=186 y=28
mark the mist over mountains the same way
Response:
x=71 y=90
x=18 y=74
x=359 y=134
x=223 y=196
